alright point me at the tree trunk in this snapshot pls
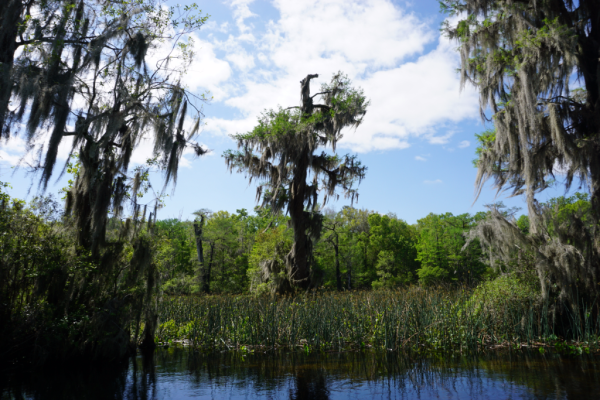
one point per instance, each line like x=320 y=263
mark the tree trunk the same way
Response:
x=200 y=253
x=151 y=320
x=589 y=67
x=222 y=268
x=297 y=259
x=10 y=17
x=338 y=274
x=206 y=288
x=349 y=275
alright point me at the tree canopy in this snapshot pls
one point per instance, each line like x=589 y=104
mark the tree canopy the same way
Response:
x=523 y=56
x=82 y=73
x=536 y=66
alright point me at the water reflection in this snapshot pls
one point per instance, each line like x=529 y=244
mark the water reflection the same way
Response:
x=180 y=374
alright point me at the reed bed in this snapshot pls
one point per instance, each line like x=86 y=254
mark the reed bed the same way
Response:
x=414 y=318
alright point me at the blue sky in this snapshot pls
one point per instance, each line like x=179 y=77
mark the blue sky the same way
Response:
x=417 y=138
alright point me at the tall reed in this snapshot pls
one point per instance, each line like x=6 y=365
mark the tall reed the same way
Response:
x=413 y=318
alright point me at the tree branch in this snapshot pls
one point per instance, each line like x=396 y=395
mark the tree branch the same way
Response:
x=328 y=91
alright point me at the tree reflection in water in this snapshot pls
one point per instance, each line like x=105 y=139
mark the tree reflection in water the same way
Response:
x=181 y=374
x=309 y=384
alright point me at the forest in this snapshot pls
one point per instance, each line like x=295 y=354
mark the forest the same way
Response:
x=96 y=274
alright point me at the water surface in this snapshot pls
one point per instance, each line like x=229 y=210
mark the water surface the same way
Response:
x=182 y=374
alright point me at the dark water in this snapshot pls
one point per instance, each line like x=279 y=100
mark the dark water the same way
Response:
x=180 y=374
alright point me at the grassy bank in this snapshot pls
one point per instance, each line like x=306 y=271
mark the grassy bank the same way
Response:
x=413 y=318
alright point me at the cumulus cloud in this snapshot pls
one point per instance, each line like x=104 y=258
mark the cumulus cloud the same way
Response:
x=12 y=151
x=434 y=182
x=213 y=26
x=464 y=143
x=439 y=139
x=241 y=60
x=241 y=12
x=208 y=72
x=381 y=48
x=17 y=152
x=419 y=158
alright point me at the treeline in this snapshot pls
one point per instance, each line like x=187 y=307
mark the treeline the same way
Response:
x=358 y=249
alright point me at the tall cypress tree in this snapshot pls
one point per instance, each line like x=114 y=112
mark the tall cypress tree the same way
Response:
x=280 y=151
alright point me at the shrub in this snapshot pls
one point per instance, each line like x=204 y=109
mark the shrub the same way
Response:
x=181 y=284
x=496 y=295
x=431 y=275
x=267 y=261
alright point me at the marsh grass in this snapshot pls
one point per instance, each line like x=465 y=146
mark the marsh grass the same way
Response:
x=414 y=319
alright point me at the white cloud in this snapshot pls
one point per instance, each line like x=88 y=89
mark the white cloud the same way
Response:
x=12 y=151
x=436 y=139
x=241 y=12
x=372 y=31
x=464 y=143
x=17 y=152
x=241 y=60
x=560 y=168
x=370 y=40
x=419 y=158
x=434 y=182
x=213 y=26
x=207 y=71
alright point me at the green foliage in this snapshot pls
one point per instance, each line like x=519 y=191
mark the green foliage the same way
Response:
x=356 y=254
x=222 y=232
x=274 y=124
x=181 y=284
x=387 y=271
x=38 y=263
x=392 y=242
x=61 y=301
x=562 y=211
x=440 y=249
x=493 y=296
x=175 y=249
x=431 y=274
x=268 y=252
x=228 y=241
x=522 y=57
x=73 y=170
x=410 y=319
x=523 y=224
x=374 y=250
x=485 y=142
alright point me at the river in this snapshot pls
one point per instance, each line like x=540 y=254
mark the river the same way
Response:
x=182 y=374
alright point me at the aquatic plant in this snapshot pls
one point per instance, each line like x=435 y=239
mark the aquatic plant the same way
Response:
x=433 y=319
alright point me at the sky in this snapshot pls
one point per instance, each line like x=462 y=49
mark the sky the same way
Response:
x=417 y=138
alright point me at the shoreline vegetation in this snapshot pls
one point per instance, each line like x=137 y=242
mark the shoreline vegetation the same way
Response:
x=409 y=289
x=415 y=319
